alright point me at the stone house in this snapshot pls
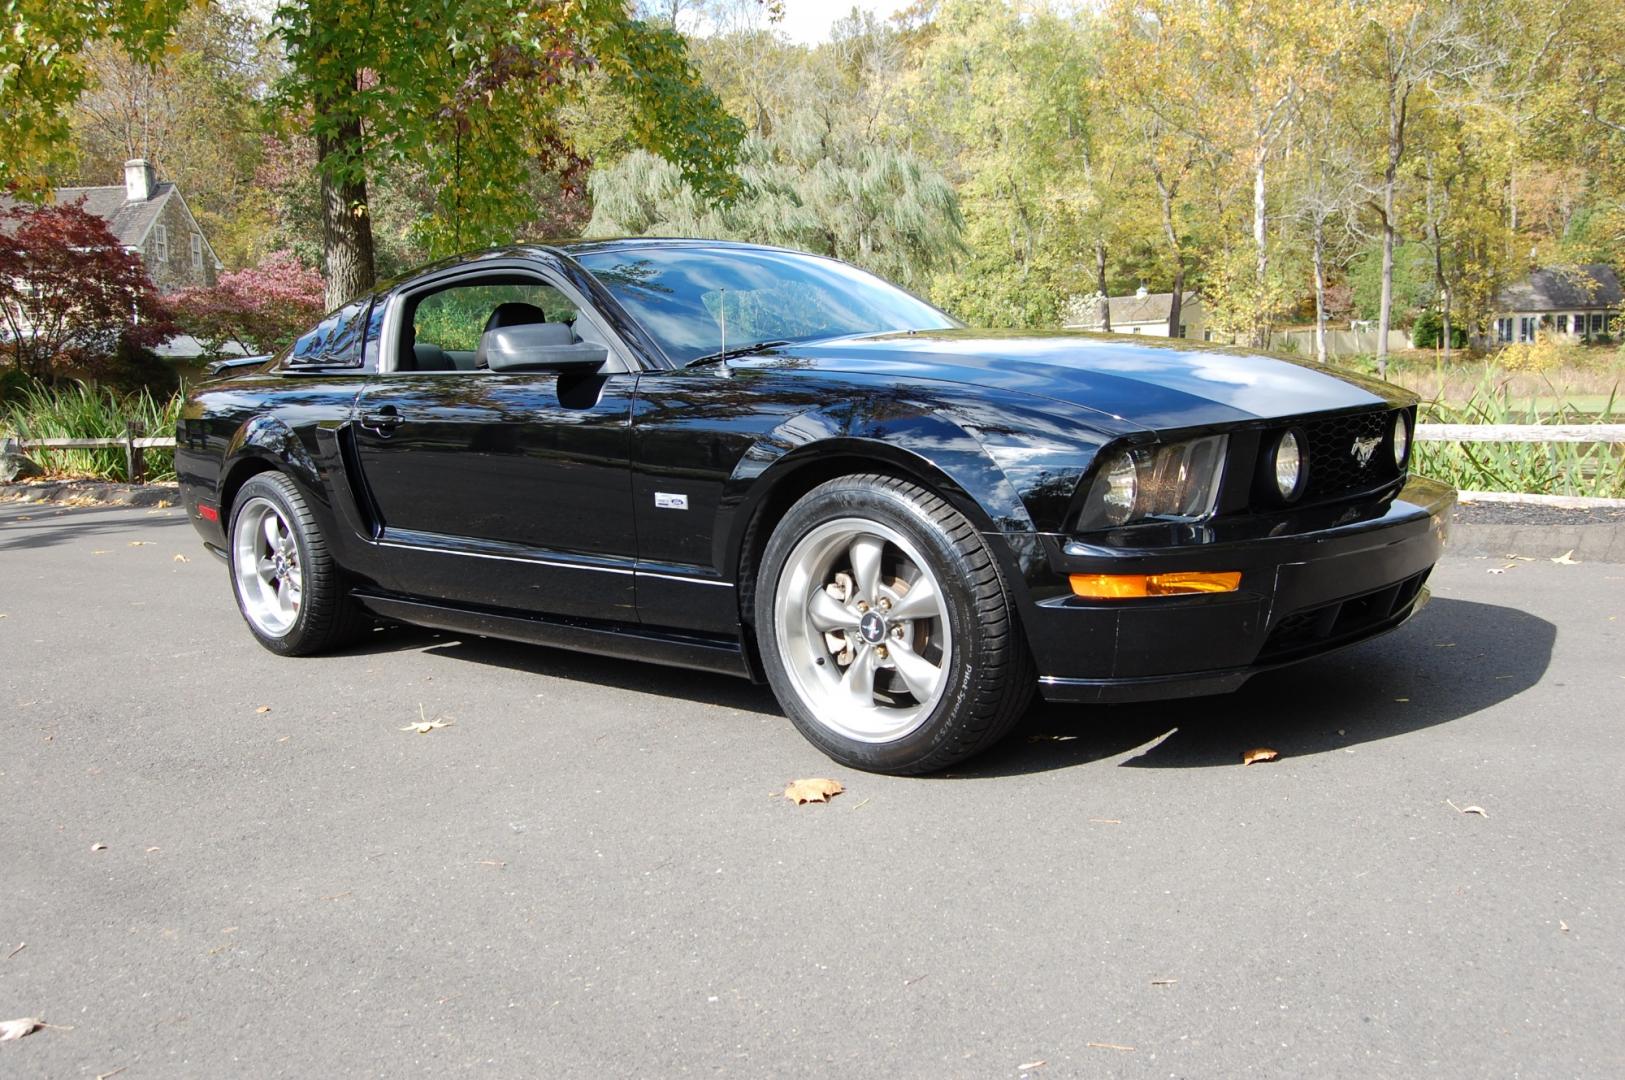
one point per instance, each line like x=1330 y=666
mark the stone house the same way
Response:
x=150 y=217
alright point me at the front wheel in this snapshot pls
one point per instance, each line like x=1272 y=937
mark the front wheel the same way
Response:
x=885 y=628
x=288 y=587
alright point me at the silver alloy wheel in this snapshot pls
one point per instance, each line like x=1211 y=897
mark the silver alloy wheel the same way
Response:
x=265 y=564
x=862 y=627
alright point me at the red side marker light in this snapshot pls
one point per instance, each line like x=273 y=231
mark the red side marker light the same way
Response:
x=207 y=512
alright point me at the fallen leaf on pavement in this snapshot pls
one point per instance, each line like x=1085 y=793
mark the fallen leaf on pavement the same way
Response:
x=1495 y=570
x=1257 y=753
x=16 y=1029
x=812 y=790
x=263 y=709
x=1163 y=982
x=425 y=726
x=1105 y=821
x=1479 y=810
x=1567 y=559
x=101 y=552
x=98 y=847
x=1033 y=1065
x=182 y=558
x=1109 y=1046
x=110 y=1075
x=17 y=950
x=1563 y=926
x=142 y=543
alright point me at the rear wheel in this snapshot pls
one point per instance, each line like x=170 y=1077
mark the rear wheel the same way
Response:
x=287 y=585
x=885 y=628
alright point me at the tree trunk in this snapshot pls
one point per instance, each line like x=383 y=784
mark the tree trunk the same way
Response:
x=1385 y=310
x=347 y=251
x=1398 y=102
x=1320 y=292
x=1177 y=302
x=1100 y=287
x=1261 y=327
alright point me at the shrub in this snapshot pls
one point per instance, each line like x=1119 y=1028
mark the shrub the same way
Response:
x=1546 y=353
x=1429 y=329
x=69 y=293
x=260 y=308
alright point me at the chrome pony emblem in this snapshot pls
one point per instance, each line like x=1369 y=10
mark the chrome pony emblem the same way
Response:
x=1364 y=448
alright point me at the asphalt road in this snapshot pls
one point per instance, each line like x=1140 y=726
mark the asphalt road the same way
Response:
x=590 y=873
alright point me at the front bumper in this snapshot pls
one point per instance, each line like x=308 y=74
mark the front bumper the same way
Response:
x=1311 y=582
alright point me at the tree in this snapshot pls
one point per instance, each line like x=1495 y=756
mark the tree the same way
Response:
x=473 y=96
x=259 y=308
x=69 y=293
x=1408 y=49
x=43 y=71
x=196 y=113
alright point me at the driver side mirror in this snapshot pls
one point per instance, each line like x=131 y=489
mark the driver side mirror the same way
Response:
x=536 y=347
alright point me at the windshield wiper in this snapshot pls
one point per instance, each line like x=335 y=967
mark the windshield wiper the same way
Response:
x=743 y=350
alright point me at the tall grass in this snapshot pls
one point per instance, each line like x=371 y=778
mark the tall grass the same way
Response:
x=80 y=411
x=1594 y=469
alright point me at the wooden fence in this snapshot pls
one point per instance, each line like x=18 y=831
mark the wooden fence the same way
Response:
x=135 y=441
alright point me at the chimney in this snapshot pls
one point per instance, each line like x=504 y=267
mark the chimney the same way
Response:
x=138 y=180
x=1141 y=291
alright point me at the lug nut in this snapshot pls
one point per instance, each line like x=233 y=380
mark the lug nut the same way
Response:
x=880 y=651
x=897 y=632
x=863 y=605
x=884 y=604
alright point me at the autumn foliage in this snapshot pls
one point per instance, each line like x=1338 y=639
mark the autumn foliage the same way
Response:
x=70 y=295
x=259 y=308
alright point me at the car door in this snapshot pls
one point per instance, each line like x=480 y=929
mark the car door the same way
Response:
x=501 y=490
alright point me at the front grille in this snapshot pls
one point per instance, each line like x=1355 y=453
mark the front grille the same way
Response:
x=1334 y=466
x=1342 y=620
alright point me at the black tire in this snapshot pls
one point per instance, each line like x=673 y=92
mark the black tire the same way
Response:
x=326 y=616
x=989 y=672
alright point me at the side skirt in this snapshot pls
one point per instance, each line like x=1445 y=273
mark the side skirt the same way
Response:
x=671 y=648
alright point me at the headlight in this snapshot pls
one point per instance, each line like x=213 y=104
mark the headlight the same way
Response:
x=1402 y=440
x=1178 y=482
x=1290 y=470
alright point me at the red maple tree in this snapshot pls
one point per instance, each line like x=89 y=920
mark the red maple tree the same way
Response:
x=259 y=308
x=69 y=292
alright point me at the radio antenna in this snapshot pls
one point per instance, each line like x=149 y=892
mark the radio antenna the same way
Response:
x=722 y=314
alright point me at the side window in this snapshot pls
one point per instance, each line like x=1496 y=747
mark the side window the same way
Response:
x=443 y=328
x=337 y=339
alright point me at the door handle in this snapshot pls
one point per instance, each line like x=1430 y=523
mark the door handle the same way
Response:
x=383 y=421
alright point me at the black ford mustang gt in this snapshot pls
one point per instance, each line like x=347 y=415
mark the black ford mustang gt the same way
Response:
x=774 y=465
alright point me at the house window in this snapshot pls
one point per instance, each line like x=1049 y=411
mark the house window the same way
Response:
x=1562 y=324
x=1503 y=330
x=1136 y=329
x=197 y=251
x=1596 y=323
x=1526 y=328
x=1182 y=332
x=160 y=243
x=1207 y=335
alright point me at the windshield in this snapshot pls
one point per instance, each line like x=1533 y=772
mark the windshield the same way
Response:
x=683 y=296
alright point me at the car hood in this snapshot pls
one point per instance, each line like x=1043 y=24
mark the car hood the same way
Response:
x=1144 y=383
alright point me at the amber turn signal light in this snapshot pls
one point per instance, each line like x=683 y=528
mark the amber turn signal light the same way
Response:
x=1129 y=586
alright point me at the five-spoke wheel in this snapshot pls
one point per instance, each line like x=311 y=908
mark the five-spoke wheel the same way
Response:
x=862 y=627
x=265 y=559
x=288 y=588
x=885 y=629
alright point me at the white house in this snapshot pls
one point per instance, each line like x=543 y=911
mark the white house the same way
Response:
x=1142 y=313
x=1578 y=301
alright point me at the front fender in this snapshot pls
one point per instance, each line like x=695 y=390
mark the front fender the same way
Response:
x=1010 y=468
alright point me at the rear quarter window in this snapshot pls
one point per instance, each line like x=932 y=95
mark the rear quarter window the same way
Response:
x=336 y=341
